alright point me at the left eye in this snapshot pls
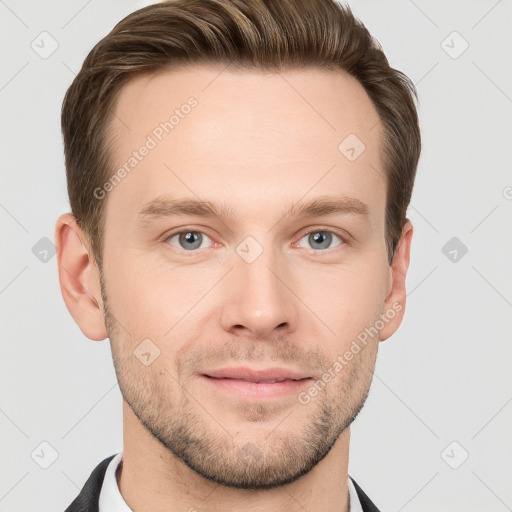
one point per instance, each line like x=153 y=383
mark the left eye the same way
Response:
x=189 y=240
x=320 y=239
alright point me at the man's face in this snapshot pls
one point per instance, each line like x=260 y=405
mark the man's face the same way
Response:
x=260 y=288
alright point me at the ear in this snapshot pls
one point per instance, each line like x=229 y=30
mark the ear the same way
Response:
x=79 y=278
x=394 y=305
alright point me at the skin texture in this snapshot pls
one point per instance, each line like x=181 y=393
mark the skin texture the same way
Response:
x=258 y=143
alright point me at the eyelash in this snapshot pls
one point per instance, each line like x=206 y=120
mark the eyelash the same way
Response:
x=343 y=240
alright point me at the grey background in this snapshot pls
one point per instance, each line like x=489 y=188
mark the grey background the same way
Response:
x=443 y=378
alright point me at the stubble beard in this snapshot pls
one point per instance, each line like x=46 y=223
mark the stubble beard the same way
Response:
x=198 y=439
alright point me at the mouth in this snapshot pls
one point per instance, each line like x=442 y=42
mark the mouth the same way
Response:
x=257 y=384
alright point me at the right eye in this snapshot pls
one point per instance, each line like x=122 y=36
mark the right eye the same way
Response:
x=188 y=240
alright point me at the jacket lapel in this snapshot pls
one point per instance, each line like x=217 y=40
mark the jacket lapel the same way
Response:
x=366 y=503
x=87 y=500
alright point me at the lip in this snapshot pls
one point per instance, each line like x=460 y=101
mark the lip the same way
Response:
x=246 y=383
x=255 y=375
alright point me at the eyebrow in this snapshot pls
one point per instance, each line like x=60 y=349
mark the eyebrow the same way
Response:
x=325 y=205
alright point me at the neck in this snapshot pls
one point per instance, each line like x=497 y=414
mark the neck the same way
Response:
x=153 y=480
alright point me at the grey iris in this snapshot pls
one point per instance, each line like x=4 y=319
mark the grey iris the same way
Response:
x=191 y=237
x=324 y=238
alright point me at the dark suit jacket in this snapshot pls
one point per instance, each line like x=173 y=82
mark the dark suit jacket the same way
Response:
x=87 y=500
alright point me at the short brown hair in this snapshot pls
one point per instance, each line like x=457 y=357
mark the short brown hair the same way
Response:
x=244 y=34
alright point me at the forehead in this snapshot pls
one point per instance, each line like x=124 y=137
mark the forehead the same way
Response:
x=249 y=134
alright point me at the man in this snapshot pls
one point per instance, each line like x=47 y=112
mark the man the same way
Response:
x=273 y=139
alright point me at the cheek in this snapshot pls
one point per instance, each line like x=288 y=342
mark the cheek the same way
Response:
x=151 y=300
x=348 y=301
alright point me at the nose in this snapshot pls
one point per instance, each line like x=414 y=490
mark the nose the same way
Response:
x=258 y=301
